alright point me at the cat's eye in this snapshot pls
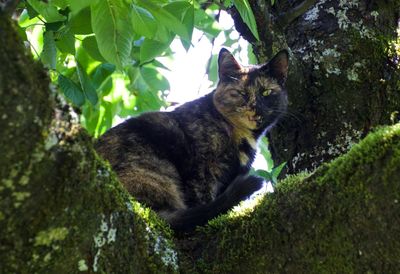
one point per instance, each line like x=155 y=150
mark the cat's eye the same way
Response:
x=236 y=94
x=267 y=92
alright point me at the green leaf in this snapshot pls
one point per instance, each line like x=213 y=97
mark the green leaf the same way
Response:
x=101 y=73
x=227 y=3
x=105 y=118
x=263 y=173
x=163 y=34
x=31 y=11
x=87 y=85
x=188 y=21
x=147 y=98
x=55 y=26
x=49 y=52
x=71 y=90
x=247 y=15
x=178 y=8
x=143 y=22
x=264 y=150
x=65 y=42
x=184 y=12
x=154 y=79
x=206 y=23
x=90 y=117
x=62 y=4
x=78 y=5
x=90 y=45
x=250 y=55
x=83 y=57
x=276 y=171
x=213 y=68
x=106 y=87
x=166 y=19
x=148 y=101
x=128 y=107
x=151 y=49
x=159 y=65
x=80 y=23
x=112 y=27
x=49 y=12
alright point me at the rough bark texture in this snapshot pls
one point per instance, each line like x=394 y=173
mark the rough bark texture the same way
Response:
x=63 y=211
x=61 y=208
x=344 y=74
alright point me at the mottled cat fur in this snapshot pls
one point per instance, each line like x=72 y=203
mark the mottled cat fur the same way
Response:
x=191 y=164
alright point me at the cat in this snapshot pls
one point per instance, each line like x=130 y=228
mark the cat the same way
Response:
x=192 y=164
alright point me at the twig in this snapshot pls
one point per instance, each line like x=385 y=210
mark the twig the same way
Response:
x=286 y=18
x=30 y=44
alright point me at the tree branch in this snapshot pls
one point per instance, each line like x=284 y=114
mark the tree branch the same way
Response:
x=343 y=218
x=62 y=210
x=286 y=18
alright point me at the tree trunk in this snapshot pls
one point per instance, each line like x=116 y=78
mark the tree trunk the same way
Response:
x=344 y=74
x=62 y=210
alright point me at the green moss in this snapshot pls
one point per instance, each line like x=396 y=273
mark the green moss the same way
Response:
x=340 y=219
x=80 y=217
x=51 y=235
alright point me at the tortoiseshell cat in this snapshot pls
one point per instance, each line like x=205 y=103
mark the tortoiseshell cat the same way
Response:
x=191 y=164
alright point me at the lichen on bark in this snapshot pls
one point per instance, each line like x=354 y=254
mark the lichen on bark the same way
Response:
x=343 y=76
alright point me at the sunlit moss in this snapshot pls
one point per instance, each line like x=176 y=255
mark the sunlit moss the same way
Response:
x=340 y=218
x=51 y=235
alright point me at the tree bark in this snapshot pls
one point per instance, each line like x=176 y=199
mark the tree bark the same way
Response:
x=343 y=78
x=62 y=210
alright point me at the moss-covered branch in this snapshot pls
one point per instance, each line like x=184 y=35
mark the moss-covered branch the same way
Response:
x=62 y=209
x=344 y=218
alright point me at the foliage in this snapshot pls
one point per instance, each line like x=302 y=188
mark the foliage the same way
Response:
x=270 y=172
x=104 y=54
x=247 y=15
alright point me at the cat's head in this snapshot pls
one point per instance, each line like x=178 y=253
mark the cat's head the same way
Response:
x=251 y=97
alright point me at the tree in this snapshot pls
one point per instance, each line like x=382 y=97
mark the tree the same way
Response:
x=63 y=210
x=344 y=76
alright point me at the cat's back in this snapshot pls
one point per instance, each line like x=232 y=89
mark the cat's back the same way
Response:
x=143 y=151
x=149 y=133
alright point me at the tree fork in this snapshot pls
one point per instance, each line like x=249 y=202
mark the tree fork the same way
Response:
x=62 y=210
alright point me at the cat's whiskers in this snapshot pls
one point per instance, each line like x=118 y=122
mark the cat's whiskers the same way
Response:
x=288 y=114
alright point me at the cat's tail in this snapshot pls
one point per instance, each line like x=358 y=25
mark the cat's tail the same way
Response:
x=187 y=219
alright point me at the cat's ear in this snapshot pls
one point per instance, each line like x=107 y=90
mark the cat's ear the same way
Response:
x=228 y=67
x=278 y=66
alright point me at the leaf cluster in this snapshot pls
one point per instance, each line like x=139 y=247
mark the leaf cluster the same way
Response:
x=103 y=53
